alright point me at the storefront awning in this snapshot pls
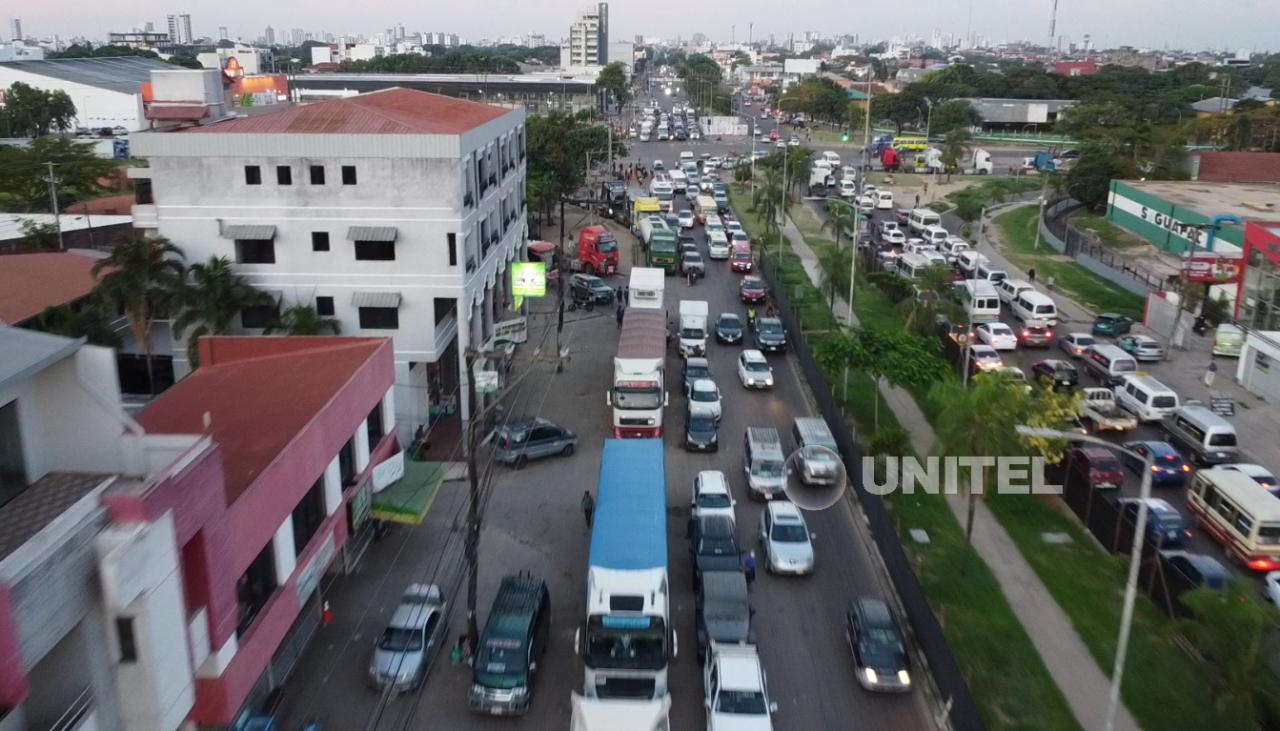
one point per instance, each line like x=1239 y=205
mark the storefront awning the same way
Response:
x=408 y=500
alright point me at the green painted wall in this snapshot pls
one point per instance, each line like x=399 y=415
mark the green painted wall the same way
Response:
x=1161 y=222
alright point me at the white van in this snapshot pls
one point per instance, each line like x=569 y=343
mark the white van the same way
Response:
x=664 y=132
x=935 y=235
x=979 y=299
x=1033 y=305
x=718 y=245
x=679 y=181
x=1009 y=289
x=953 y=247
x=1109 y=363
x=1147 y=398
x=884 y=199
x=922 y=218
x=910 y=266
x=831 y=158
x=686 y=157
x=988 y=271
x=764 y=462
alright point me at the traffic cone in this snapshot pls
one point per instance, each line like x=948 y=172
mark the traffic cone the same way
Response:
x=326 y=614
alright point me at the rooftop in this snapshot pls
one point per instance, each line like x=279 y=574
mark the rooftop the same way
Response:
x=550 y=80
x=1239 y=167
x=394 y=111
x=1249 y=201
x=258 y=394
x=40 y=504
x=31 y=282
x=122 y=74
x=24 y=353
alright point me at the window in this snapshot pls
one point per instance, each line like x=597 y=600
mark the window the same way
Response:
x=142 y=194
x=13 y=466
x=317 y=174
x=324 y=306
x=125 y=638
x=375 y=251
x=347 y=462
x=319 y=240
x=348 y=174
x=255 y=587
x=284 y=175
x=453 y=250
x=379 y=318
x=308 y=516
x=374 y=425
x=255 y=251
x=252 y=175
x=260 y=316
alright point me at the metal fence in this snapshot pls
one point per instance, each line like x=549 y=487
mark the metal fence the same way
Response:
x=963 y=714
x=1057 y=219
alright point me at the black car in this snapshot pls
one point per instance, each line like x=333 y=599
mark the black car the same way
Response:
x=1200 y=570
x=695 y=368
x=728 y=329
x=683 y=239
x=590 y=288
x=951 y=330
x=700 y=432
x=879 y=648
x=713 y=544
x=723 y=611
x=770 y=335
x=1059 y=373
x=680 y=134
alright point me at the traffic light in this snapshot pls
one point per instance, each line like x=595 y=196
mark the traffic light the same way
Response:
x=844 y=137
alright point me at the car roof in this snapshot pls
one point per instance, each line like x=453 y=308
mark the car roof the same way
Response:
x=729 y=316
x=1249 y=468
x=704 y=384
x=739 y=668
x=753 y=355
x=1154 y=504
x=713 y=481
x=875 y=612
x=716 y=525
x=785 y=511
x=1206 y=564
x=1080 y=335
x=981 y=349
x=697 y=362
x=1158 y=447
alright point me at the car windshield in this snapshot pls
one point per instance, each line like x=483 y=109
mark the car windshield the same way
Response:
x=752 y=286
x=638 y=649
x=502 y=663
x=717 y=546
x=789 y=533
x=637 y=397
x=881 y=643
x=767 y=468
x=702 y=423
x=714 y=500
x=399 y=639
x=706 y=395
x=730 y=323
x=770 y=328
x=756 y=366
x=599 y=286
x=741 y=702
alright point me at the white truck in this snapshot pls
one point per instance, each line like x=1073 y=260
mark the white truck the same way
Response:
x=620 y=715
x=821 y=180
x=1098 y=408
x=693 y=328
x=980 y=164
x=639 y=370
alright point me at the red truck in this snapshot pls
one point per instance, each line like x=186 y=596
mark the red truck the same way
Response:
x=890 y=159
x=596 y=252
x=545 y=251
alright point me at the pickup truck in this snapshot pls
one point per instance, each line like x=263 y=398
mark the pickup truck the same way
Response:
x=1099 y=408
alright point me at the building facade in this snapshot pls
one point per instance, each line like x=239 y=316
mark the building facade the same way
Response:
x=107 y=91
x=589 y=38
x=180 y=29
x=395 y=213
x=534 y=92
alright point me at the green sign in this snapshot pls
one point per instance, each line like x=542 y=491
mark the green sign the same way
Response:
x=529 y=279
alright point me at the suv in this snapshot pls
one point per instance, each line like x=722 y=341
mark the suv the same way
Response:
x=879 y=649
x=514 y=639
x=405 y=649
x=520 y=441
x=711 y=495
x=713 y=544
x=723 y=611
x=700 y=430
x=770 y=335
x=590 y=288
x=1097 y=465
x=752 y=289
x=1165 y=526
x=733 y=683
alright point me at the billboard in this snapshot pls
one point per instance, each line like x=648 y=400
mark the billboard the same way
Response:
x=529 y=279
x=1208 y=266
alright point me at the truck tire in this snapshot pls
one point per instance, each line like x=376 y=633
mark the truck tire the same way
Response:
x=589 y=268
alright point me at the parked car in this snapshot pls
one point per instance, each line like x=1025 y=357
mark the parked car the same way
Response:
x=1141 y=347
x=1165 y=526
x=996 y=334
x=754 y=370
x=1111 y=324
x=694 y=368
x=1036 y=334
x=711 y=495
x=735 y=689
x=404 y=651
x=785 y=540
x=519 y=441
x=1059 y=373
x=879 y=648
x=728 y=329
x=1167 y=466
x=1201 y=570
x=1076 y=344
x=714 y=545
x=752 y=290
x=590 y=288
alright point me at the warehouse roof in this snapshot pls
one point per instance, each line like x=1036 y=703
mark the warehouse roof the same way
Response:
x=122 y=74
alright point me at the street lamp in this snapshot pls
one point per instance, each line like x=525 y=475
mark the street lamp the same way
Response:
x=928 y=125
x=853 y=251
x=786 y=153
x=1135 y=553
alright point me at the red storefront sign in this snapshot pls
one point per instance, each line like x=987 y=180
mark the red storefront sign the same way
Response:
x=1207 y=266
x=1263 y=238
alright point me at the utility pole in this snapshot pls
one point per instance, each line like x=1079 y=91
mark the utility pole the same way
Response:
x=473 y=510
x=560 y=279
x=968 y=334
x=53 y=181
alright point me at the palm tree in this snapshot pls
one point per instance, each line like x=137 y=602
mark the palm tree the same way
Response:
x=841 y=219
x=139 y=277
x=208 y=300
x=955 y=148
x=89 y=322
x=834 y=264
x=302 y=319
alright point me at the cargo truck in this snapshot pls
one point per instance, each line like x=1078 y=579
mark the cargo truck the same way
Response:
x=693 y=328
x=596 y=251
x=620 y=715
x=639 y=369
x=661 y=250
x=642 y=208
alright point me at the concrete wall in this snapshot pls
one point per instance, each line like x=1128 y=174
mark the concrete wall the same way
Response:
x=1116 y=277
x=1161 y=222
x=94 y=107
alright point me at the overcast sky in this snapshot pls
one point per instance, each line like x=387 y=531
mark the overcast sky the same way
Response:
x=1223 y=24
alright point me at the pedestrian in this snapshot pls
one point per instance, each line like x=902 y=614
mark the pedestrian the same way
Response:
x=1211 y=373
x=768 y=311
x=926 y=187
x=749 y=567
x=588 y=506
x=1031 y=275
x=619 y=315
x=917 y=200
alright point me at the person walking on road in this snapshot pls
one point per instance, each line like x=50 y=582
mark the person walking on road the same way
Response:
x=749 y=567
x=917 y=200
x=1031 y=275
x=619 y=315
x=588 y=507
x=1211 y=373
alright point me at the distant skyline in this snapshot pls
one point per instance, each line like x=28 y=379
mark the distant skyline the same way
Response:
x=1191 y=24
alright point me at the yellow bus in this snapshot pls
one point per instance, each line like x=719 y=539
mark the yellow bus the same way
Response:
x=704 y=206
x=1240 y=514
x=910 y=143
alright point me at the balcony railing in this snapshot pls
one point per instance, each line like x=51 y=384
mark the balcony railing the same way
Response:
x=73 y=718
x=471 y=263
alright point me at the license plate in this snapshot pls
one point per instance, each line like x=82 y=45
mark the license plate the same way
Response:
x=495 y=711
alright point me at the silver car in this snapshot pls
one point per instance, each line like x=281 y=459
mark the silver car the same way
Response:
x=785 y=539
x=520 y=441
x=403 y=654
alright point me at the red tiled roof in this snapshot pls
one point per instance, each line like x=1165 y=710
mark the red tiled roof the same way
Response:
x=259 y=396
x=29 y=283
x=1239 y=167
x=389 y=112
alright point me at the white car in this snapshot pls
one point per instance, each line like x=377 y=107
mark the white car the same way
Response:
x=781 y=145
x=733 y=683
x=711 y=495
x=754 y=370
x=732 y=227
x=866 y=204
x=848 y=172
x=1257 y=472
x=997 y=334
x=985 y=358
x=658 y=166
x=895 y=238
x=848 y=188
x=785 y=539
x=1075 y=344
x=870 y=190
x=794 y=142
x=686 y=219
x=713 y=163
x=704 y=395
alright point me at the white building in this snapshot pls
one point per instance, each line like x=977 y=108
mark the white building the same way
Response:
x=395 y=212
x=588 y=39
x=339 y=52
x=252 y=61
x=107 y=92
x=19 y=51
x=180 y=29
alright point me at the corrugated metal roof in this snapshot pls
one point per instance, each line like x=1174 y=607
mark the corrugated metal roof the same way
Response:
x=257 y=232
x=376 y=299
x=123 y=74
x=372 y=233
x=24 y=353
x=395 y=111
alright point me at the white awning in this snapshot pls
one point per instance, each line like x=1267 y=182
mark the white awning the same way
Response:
x=371 y=233
x=376 y=299
x=260 y=232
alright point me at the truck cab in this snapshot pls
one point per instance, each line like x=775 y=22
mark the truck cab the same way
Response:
x=693 y=328
x=597 y=251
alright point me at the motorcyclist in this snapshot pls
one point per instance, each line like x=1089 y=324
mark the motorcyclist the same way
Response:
x=751 y=316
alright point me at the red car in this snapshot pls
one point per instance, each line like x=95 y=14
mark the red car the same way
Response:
x=773 y=136
x=752 y=290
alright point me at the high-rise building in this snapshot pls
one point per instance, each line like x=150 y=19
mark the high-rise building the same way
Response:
x=270 y=36
x=399 y=32
x=222 y=32
x=15 y=29
x=150 y=27
x=180 y=29
x=297 y=37
x=589 y=37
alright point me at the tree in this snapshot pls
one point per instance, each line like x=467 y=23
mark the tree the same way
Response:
x=841 y=219
x=819 y=97
x=1098 y=121
x=956 y=147
x=207 y=301
x=32 y=112
x=139 y=276
x=89 y=322
x=969 y=208
x=186 y=61
x=1089 y=180
x=39 y=235
x=893 y=356
x=23 y=188
x=302 y=319
x=613 y=79
x=835 y=266
x=953 y=115
x=855 y=115
x=558 y=145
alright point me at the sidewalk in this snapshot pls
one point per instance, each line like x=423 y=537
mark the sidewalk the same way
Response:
x=1082 y=682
